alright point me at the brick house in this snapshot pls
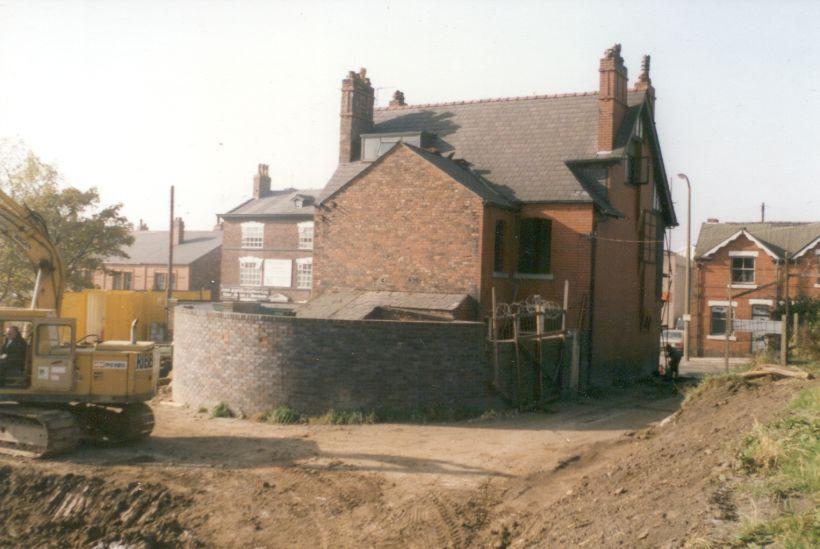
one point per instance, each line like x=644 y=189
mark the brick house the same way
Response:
x=749 y=258
x=268 y=245
x=516 y=195
x=197 y=256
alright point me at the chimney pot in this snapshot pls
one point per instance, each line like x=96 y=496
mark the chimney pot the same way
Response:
x=713 y=220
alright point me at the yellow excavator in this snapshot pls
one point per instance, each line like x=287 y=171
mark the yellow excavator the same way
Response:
x=65 y=391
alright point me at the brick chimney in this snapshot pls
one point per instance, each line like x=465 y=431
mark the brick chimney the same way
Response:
x=644 y=83
x=261 y=182
x=179 y=231
x=611 y=97
x=356 y=114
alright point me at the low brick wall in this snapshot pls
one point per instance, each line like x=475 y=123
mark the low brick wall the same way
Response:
x=257 y=362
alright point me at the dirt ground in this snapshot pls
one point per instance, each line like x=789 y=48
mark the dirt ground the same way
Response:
x=588 y=474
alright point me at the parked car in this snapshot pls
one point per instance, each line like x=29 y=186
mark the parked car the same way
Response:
x=673 y=338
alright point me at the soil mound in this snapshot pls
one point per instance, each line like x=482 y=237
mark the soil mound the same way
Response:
x=52 y=510
x=670 y=485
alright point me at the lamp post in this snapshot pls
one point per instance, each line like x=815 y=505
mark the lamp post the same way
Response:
x=687 y=316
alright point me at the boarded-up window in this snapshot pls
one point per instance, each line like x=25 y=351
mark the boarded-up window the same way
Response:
x=498 y=251
x=535 y=246
x=278 y=273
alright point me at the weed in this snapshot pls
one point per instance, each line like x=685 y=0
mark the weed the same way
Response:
x=202 y=410
x=786 y=454
x=344 y=417
x=222 y=410
x=731 y=380
x=281 y=414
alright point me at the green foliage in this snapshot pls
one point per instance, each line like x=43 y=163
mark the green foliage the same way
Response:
x=282 y=415
x=345 y=417
x=82 y=231
x=786 y=455
x=731 y=380
x=202 y=410
x=806 y=307
x=222 y=410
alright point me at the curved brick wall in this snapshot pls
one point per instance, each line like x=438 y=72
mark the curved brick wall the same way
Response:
x=256 y=362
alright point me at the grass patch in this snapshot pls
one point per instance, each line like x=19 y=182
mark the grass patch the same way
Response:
x=222 y=410
x=344 y=417
x=785 y=456
x=731 y=380
x=202 y=410
x=283 y=415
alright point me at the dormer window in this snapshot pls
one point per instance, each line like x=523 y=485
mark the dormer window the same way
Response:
x=375 y=145
x=298 y=202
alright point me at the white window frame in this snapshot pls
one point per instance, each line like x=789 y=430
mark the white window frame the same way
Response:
x=253 y=235
x=278 y=273
x=305 y=235
x=304 y=273
x=252 y=265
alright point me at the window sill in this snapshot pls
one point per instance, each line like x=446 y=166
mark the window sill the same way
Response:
x=496 y=274
x=534 y=276
x=744 y=286
x=721 y=338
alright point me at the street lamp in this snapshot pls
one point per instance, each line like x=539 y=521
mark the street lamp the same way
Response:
x=687 y=317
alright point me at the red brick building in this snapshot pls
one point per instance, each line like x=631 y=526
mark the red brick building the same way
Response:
x=750 y=261
x=268 y=245
x=197 y=256
x=516 y=195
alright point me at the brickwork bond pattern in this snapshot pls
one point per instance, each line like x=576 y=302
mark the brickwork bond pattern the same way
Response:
x=255 y=363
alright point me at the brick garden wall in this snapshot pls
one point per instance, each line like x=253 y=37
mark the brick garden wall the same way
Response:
x=255 y=363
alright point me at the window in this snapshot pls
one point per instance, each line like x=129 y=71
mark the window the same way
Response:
x=252 y=235
x=373 y=146
x=743 y=270
x=54 y=340
x=498 y=252
x=298 y=202
x=717 y=326
x=250 y=271
x=761 y=312
x=161 y=279
x=650 y=238
x=304 y=273
x=306 y=235
x=278 y=273
x=636 y=165
x=121 y=281
x=534 y=249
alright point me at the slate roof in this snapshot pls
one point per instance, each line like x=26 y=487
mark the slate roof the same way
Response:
x=521 y=145
x=277 y=203
x=151 y=248
x=358 y=304
x=779 y=237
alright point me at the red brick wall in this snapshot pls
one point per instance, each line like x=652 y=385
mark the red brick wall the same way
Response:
x=404 y=226
x=627 y=306
x=570 y=259
x=713 y=274
x=280 y=241
x=142 y=276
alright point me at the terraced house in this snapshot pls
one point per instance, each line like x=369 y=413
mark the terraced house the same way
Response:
x=515 y=195
x=749 y=262
x=268 y=245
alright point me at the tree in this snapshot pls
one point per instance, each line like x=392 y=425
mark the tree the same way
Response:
x=84 y=233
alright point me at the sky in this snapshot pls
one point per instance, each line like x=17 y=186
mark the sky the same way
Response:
x=133 y=97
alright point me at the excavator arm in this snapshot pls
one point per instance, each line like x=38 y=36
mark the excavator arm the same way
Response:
x=27 y=229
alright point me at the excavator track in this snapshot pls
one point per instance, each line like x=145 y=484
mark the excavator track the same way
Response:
x=37 y=432
x=114 y=425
